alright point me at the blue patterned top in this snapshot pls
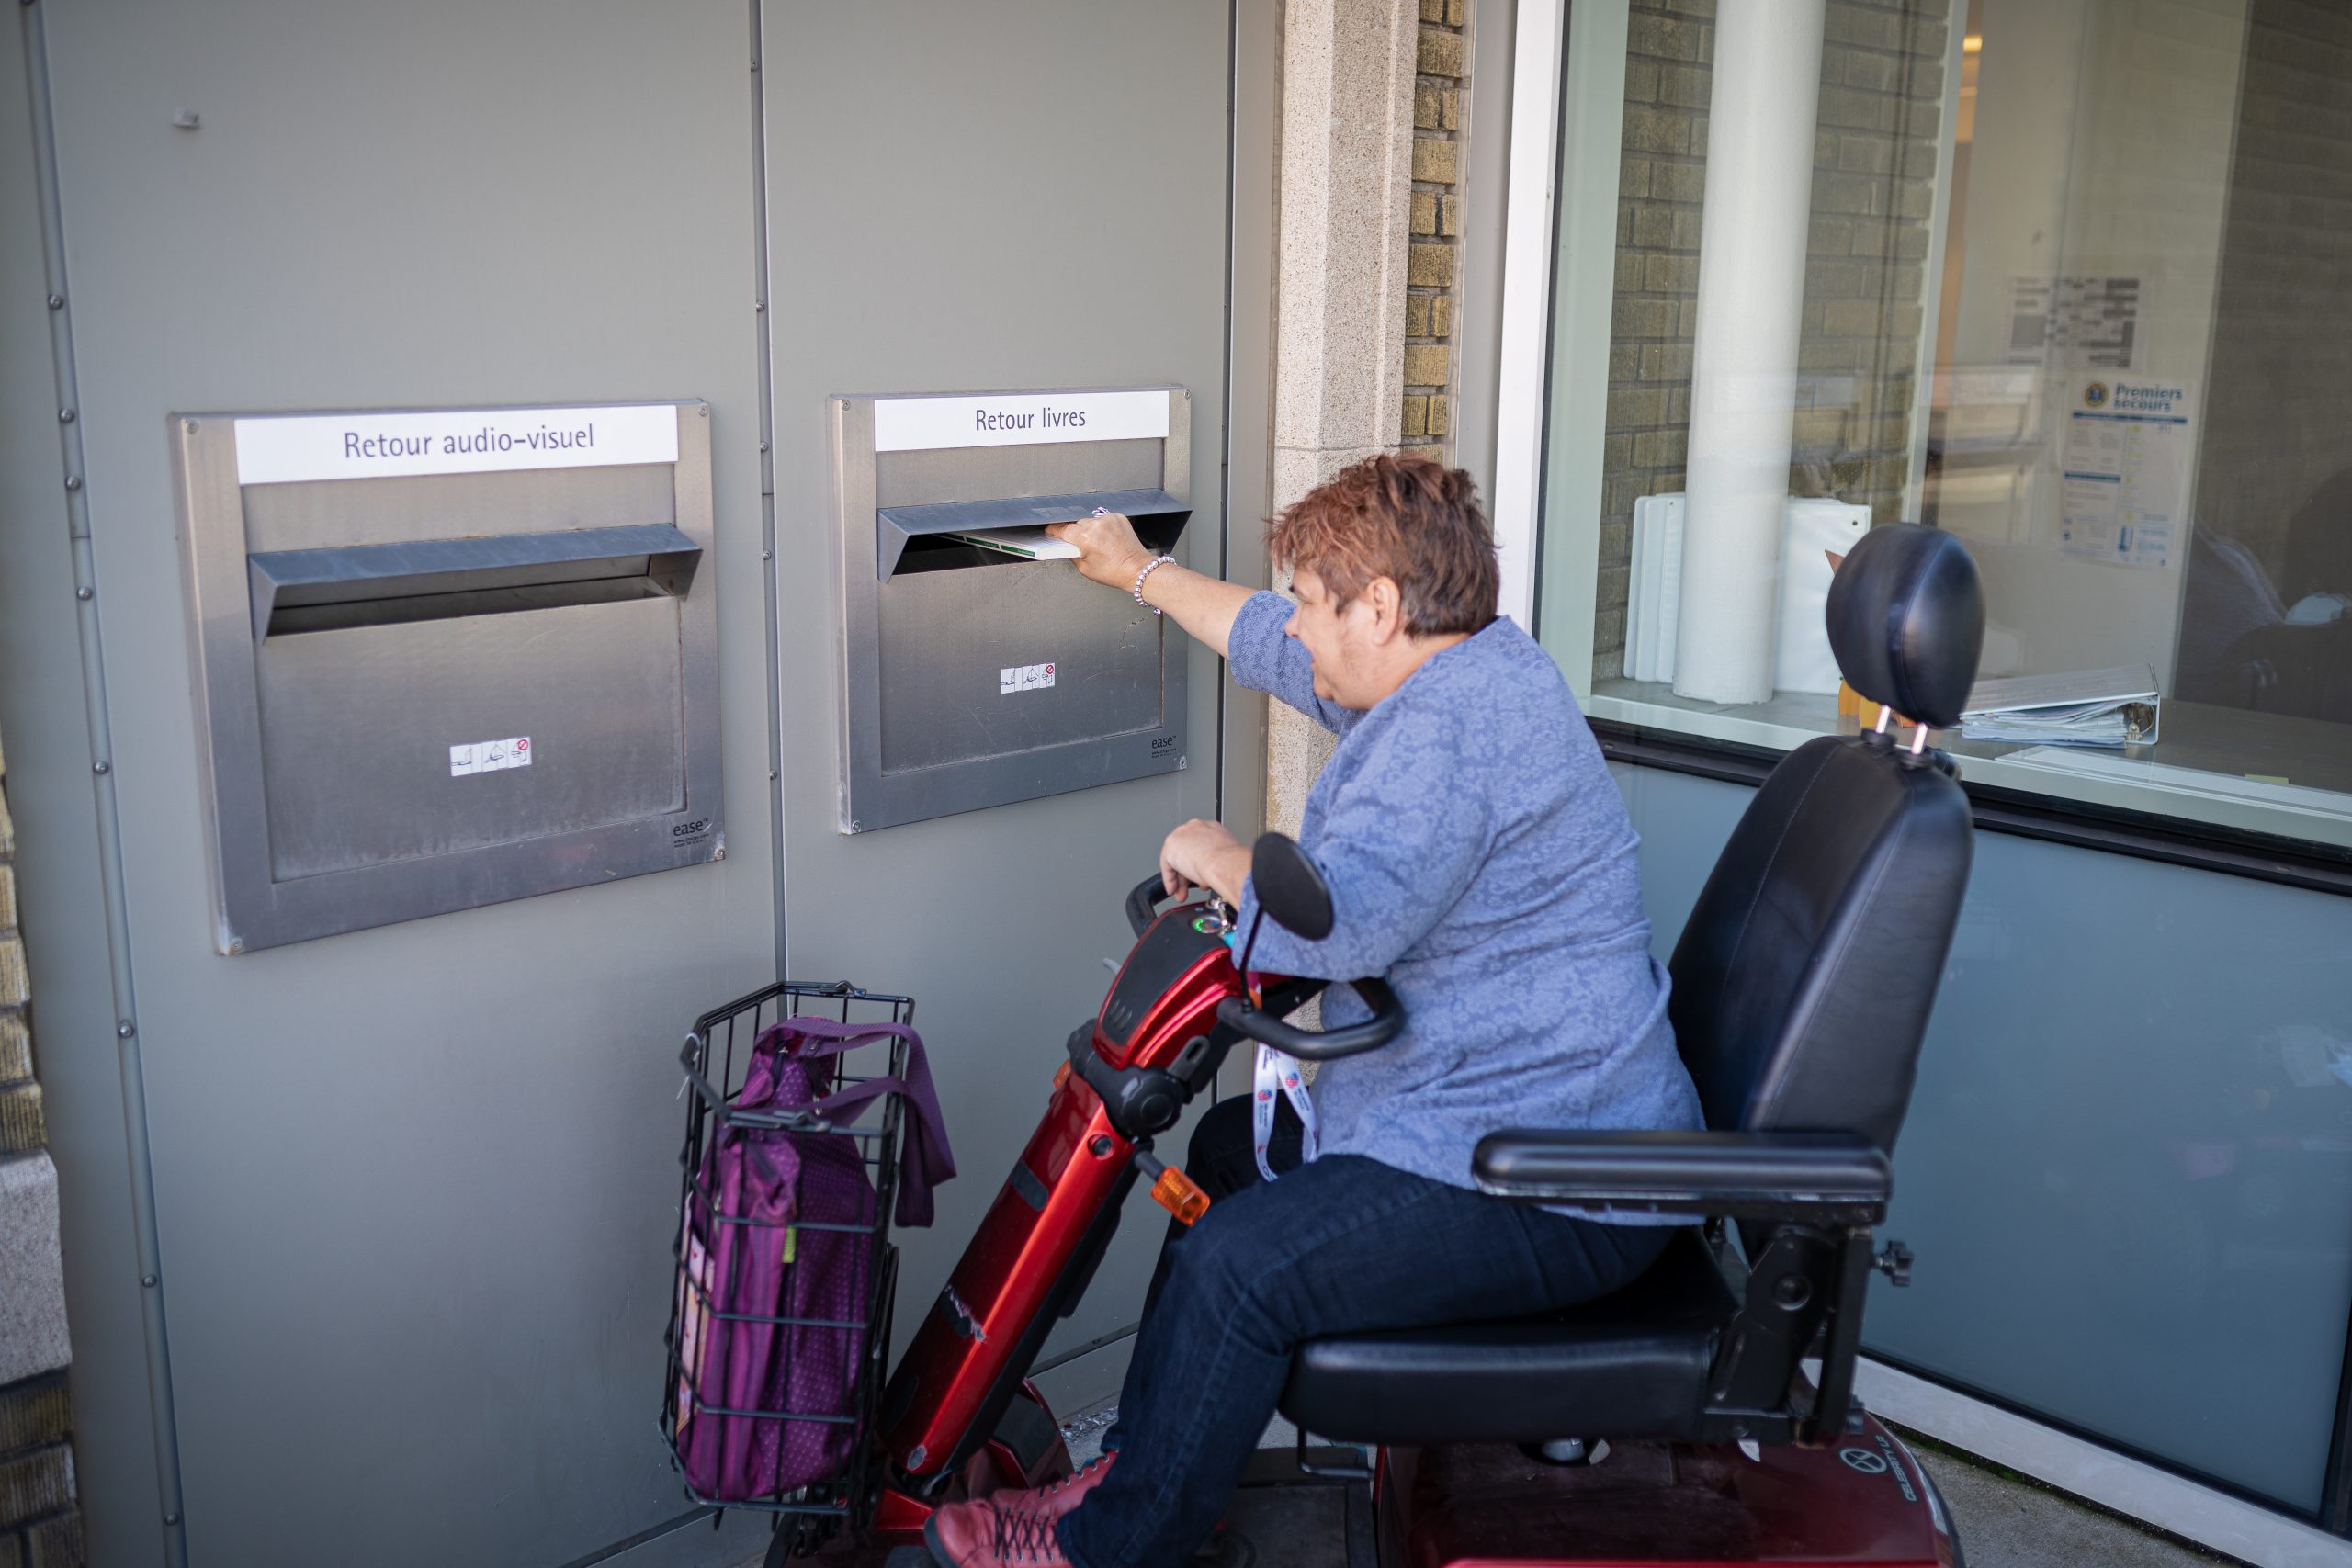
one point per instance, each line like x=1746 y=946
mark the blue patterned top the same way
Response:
x=1479 y=857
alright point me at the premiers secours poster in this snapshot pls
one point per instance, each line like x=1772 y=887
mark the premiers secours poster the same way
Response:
x=2127 y=460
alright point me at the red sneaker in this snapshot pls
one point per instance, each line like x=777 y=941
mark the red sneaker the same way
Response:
x=1059 y=1497
x=1002 y=1526
x=987 y=1532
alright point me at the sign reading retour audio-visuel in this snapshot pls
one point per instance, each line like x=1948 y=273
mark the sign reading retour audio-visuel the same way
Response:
x=291 y=448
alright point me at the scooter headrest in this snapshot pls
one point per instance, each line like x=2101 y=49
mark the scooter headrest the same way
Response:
x=1906 y=621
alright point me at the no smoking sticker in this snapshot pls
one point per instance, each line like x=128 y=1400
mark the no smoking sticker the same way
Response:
x=1024 y=678
x=489 y=756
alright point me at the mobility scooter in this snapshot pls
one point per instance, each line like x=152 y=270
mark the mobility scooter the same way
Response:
x=1703 y=1414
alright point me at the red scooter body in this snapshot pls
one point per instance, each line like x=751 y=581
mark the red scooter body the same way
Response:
x=1865 y=1501
x=958 y=1391
x=1038 y=1242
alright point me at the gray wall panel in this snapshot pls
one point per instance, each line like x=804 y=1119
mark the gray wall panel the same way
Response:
x=44 y=727
x=968 y=198
x=415 y=1184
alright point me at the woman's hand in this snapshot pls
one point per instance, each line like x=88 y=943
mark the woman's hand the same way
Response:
x=1203 y=854
x=1108 y=551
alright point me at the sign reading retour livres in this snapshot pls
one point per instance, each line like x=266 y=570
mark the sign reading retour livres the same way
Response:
x=1017 y=419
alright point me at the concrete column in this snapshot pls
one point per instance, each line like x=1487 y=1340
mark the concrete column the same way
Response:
x=1347 y=178
x=1760 y=119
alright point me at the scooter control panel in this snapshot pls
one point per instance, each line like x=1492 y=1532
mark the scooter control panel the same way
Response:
x=1176 y=941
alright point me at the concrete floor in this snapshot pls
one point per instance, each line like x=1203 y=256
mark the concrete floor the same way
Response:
x=2004 y=1523
x=2020 y=1524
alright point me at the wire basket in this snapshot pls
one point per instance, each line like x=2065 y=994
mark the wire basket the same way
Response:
x=772 y=1306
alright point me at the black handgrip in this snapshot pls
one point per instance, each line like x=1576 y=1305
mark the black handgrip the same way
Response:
x=1387 y=1020
x=1143 y=903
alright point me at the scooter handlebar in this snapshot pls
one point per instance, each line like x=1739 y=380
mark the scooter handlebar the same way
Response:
x=1143 y=903
x=1387 y=1020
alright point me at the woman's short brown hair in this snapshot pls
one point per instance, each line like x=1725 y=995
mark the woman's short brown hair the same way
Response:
x=1413 y=521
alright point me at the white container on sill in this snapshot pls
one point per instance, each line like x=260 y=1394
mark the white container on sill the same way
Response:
x=1813 y=530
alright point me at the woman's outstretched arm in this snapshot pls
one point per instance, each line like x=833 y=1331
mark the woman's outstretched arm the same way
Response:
x=1109 y=553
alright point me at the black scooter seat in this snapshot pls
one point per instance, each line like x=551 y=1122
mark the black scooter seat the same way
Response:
x=1632 y=1365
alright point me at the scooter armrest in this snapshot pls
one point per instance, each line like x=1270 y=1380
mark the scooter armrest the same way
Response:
x=1825 y=1178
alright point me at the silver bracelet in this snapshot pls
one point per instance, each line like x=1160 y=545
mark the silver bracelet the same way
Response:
x=1149 y=567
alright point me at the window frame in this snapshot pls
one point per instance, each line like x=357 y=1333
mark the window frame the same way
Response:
x=2183 y=841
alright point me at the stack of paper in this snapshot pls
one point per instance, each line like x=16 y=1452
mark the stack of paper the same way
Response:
x=1028 y=543
x=2086 y=707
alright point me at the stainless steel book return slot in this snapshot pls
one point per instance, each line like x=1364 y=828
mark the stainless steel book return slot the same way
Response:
x=976 y=673
x=1159 y=518
x=448 y=657
x=429 y=580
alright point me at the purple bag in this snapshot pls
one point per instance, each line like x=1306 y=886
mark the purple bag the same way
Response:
x=780 y=1182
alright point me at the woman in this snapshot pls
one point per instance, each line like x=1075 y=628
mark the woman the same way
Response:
x=1479 y=858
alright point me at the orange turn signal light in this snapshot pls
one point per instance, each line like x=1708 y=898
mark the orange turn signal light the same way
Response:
x=1061 y=1076
x=1180 y=1195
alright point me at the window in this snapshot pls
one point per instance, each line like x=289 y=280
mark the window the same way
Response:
x=2067 y=277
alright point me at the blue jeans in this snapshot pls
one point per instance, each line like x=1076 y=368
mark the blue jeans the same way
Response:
x=1343 y=1244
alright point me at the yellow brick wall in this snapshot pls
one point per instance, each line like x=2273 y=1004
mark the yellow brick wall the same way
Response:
x=40 y=1526
x=20 y=1117
x=1440 y=87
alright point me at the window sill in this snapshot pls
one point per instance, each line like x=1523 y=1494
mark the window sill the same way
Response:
x=2186 y=797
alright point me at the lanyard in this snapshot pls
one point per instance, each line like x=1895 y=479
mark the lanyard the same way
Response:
x=1280 y=1069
